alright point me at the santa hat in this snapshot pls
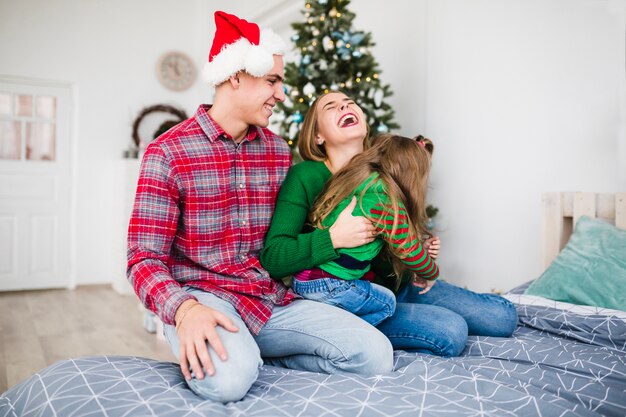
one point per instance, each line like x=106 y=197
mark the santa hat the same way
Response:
x=240 y=45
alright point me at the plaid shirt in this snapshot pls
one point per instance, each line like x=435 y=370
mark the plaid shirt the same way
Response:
x=202 y=209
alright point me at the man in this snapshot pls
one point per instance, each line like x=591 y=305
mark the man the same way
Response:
x=204 y=202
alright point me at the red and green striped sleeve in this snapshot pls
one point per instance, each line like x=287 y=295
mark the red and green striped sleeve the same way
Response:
x=409 y=247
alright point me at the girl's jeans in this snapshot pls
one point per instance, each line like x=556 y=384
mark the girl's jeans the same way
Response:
x=372 y=302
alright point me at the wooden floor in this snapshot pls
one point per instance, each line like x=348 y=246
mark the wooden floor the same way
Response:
x=38 y=328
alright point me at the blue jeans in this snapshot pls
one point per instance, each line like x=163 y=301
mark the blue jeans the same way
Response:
x=439 y=321
x=372 y=302
x=303 y=335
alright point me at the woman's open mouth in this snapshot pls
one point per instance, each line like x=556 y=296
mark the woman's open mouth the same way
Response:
x=347 y=120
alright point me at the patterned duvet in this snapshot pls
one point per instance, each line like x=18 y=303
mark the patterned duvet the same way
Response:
x=563 y=360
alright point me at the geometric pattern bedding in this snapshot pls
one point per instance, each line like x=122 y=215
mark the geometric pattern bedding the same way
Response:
x=560 y=362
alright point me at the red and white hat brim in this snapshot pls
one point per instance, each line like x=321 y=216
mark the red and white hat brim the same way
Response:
x=256 y=60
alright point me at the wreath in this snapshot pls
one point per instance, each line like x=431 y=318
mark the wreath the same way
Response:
x=158 y=108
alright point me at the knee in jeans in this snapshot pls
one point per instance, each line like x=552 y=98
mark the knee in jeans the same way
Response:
x=375 y=355
x=453 y=340
x=230 y=383
x=506 y=318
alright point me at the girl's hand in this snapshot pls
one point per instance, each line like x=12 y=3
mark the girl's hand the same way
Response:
x=426 y=284
x=432 y=246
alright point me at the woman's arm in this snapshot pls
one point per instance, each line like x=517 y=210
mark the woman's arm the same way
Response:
x=288 y=248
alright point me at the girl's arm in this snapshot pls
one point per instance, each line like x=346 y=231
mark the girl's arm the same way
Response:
x=413 y=253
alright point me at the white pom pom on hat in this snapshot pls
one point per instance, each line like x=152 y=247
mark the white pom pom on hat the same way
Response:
x=240 y=45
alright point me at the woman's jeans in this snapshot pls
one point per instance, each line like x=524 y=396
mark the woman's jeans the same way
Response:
x=439 y=321
x=372 y=302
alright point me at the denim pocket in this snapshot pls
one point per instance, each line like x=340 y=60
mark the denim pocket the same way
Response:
x=319 y=289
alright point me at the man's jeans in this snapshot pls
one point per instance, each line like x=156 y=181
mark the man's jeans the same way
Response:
x=439 y=321
x=372 y=302
x=304 y=335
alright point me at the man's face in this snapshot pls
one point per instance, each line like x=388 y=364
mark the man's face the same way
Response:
x=258 y=96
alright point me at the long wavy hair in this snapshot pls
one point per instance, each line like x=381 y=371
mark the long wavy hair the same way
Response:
x=403 y=165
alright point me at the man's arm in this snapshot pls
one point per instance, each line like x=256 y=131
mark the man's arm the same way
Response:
x=151 y=233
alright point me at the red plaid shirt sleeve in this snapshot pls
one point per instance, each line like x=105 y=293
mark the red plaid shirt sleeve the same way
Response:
x=151 y=234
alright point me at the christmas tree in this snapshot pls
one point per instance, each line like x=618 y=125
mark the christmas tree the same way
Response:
x=330 y=55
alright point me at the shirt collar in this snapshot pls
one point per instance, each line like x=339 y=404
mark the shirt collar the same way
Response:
x=214 y=131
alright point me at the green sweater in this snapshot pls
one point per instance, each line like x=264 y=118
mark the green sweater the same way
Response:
x=292 y=246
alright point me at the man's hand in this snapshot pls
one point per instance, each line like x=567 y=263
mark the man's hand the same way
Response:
x=198 y=326
x=426 y=284
x=350 y=231
x=432 y=246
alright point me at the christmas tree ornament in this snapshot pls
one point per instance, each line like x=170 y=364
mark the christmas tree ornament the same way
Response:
x=240 y=45
x=378 y=97
x=327 y=43
x=322 y=64
x=308 y=89
x=297 y=117
x=382 y=128
x=293 y=131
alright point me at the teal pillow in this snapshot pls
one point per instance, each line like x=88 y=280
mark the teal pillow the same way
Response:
x=590 y=270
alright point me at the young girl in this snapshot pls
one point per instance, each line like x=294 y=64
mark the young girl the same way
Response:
x=389 y=183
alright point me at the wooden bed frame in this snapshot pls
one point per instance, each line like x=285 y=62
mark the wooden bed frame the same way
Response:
x=562 y=210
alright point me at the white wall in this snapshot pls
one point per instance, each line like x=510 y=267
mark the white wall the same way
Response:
x=108 y=50
x=520 y=96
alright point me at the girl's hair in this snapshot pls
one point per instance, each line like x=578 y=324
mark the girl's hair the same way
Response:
x=307 y=145
x=403 y=165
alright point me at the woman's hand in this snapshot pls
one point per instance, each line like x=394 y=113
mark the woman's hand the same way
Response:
x=432 y=246
x=197 y=326
x=350 y=231
x=426 y=284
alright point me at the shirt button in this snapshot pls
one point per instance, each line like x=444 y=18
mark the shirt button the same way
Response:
x=241 y=185
x=243 y=222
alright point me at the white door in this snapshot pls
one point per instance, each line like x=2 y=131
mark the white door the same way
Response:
x=35 y=184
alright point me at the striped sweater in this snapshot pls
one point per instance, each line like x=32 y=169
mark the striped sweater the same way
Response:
x=353 y=263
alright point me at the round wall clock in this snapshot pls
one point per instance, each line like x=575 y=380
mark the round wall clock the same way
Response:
x=176 y=71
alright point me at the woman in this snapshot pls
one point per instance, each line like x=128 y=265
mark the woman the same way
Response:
x=435 y=322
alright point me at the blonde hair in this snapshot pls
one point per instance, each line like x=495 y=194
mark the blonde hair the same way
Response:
x=403 y=165
x=307 y=145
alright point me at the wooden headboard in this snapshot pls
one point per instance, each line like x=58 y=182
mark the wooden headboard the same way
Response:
x=562 y=210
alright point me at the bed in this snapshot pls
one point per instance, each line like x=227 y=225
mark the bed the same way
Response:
x=564 y=359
